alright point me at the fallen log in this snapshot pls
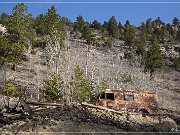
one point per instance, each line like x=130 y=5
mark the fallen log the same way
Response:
x=107 y=109
x=41 y=103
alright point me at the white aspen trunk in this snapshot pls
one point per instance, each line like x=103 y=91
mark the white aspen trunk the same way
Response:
x=86 y=66
x=113 y=82
x=92 y=75
x=38 y=78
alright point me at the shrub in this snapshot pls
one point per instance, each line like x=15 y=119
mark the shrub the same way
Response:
x=10 y=89
x=39 y=43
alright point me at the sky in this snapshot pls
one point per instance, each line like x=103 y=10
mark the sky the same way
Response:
x=136 y=11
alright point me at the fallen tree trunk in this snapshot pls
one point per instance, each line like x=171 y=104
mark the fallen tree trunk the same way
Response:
x=42 y=103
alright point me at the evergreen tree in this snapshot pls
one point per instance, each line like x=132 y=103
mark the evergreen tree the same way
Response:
x=171 y=32
x=104 y=35
x=176 y=63
x=129 y=35
x=88 y=34
x=55 y=28
x=79 y=24
x=10 y=52
x=105 y=25
x=159 y=28
x=157 y=22
x=53 y=88
x=4 y=19
x=112 y=28
x=127 y=24
x=144 y=31
x=121 y=36
x=175 y=22
x=66 y=21
x=149 y=28
x=10 y=89
x=53 y=21
x=168 y=28
x=154 y=57
x=96 y=25
x=20 y=27
x=40 y=25
x=81 y=85
x=178 y=35
x=142 y=41
x=20 y=32
x=109 y=42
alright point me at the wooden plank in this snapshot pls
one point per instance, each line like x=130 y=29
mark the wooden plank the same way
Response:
x=107 y=109
x=42 y=103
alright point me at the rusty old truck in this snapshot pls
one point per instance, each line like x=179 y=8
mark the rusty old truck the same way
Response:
x=142 y=102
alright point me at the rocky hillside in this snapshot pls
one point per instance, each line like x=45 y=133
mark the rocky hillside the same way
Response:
x=98 y=63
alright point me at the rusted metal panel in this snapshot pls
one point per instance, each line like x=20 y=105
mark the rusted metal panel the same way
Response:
x=131 y=101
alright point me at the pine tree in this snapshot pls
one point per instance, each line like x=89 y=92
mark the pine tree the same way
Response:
x=127 y=24
x=159 y=28
x=178 y=35
x=20 y=32
x=79 y=24
x=88 y=35
x=40 y=25
x=10 y=52
x=4 y=19
x=53 y=20
x=149 y=28
x=174 y=28
x=171 y=32
x=53 y=88
x=20 y=26
x=121 y=30
x=176 y=63
x=157 y=22
x=55 y=30
x=10 y=89
x=112 y=28
x=109 y=42
x=144 y=31
x=105 y=25
x=129 y=35
x=154 y=57
x=175 y=22
x=55 y=39
x=81 y=85
x=142 y=41
x=96 y=25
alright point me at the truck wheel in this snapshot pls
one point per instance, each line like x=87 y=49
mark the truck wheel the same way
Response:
x=144 y=112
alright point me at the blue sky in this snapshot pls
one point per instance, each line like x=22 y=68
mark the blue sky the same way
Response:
x=135 y=12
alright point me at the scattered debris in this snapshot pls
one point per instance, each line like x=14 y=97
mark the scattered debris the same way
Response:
x=34 y=116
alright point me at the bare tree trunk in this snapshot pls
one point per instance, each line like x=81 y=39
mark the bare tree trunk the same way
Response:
x=14 y=67
x=7 y=94
x=38 y=83
x=4 y=87
x=1 y=64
